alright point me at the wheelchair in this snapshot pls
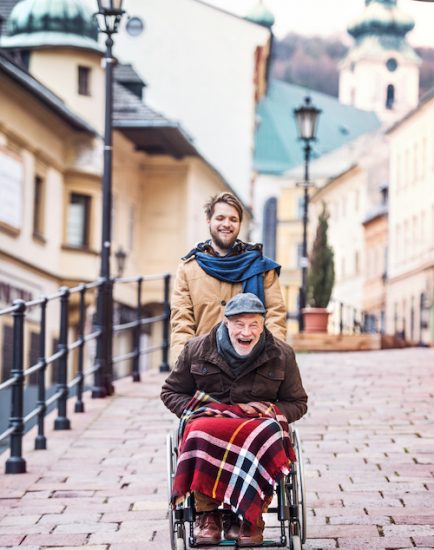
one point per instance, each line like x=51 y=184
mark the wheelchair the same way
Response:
x=288 y=504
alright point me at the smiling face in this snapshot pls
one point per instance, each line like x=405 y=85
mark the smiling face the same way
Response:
x=224 y=226
x=244 y=331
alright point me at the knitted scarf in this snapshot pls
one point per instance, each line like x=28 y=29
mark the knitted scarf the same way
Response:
x=246 y=268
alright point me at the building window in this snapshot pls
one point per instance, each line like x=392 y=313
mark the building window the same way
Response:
x=357 y=263
x=7 y=353
x=77 y=227
x=299 y=254
x=300 y=208
x=390 y=96
x=38 y=207
x=83 y=80
x=33 y=357
x=356 y=200
x=54 y=366
x=131 y=227
x=270 y=227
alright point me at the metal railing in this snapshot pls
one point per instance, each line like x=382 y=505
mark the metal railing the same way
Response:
x=346 y=319
x=65 y=381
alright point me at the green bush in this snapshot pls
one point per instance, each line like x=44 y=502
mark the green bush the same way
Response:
x=321 y=274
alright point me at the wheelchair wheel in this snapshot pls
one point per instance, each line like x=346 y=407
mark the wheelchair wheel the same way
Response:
x=296 y=543
x=301 y=497
x=176 y=528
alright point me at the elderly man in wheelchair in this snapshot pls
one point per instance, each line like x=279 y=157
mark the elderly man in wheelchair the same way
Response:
x=235 y=390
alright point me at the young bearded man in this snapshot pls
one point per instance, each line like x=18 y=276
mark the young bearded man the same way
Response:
x=218 y=269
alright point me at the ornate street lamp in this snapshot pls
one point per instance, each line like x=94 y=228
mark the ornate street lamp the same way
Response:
x=306 y=117
x=121 y=257
x=108 y=16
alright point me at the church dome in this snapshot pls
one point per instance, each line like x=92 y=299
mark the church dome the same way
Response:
x=381 y=17
x=261 y=15
x=42 y=23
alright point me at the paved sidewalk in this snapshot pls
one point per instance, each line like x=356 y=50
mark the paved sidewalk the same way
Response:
x=368 y=443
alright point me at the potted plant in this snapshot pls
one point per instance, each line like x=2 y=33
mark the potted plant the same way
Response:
x=320 y=279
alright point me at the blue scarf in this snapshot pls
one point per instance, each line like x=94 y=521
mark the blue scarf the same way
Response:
x=246 y=268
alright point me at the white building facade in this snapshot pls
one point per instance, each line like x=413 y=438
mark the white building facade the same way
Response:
x=411 y=225
x=204 y=67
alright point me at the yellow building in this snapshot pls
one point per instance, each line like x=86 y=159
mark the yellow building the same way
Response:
x=50 y=226
x=39 y=151
x=376 y=234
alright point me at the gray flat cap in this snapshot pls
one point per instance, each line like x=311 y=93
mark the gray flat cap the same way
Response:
x=244 y=303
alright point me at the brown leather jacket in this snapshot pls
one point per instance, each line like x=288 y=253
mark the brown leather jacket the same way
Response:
x=273 y=376
x=198 y=302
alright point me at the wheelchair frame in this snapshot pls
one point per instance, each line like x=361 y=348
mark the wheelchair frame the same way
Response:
x=290 y=509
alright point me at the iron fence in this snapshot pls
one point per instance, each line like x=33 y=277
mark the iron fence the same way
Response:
x=67 y=381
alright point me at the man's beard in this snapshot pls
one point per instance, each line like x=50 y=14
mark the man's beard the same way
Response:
x=224 y=245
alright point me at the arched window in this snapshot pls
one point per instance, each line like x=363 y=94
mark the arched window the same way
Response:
x=269 y=228
x=390 y=96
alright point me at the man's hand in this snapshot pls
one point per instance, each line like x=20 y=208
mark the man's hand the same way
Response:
x=248 y=409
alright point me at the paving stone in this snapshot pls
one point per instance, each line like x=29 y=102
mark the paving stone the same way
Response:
x=65 y=539
x=10 y=540
x=381 y=543
x=367 y=442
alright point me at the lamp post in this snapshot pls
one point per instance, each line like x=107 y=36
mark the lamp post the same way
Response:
x=306 y=117
x=108 y=16
x=121 y=257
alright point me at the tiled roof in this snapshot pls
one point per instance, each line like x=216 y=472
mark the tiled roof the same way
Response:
x=124 y=72
x=128 y=107
x=277 y=147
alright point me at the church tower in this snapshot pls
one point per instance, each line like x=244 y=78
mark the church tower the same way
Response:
x=381 y=71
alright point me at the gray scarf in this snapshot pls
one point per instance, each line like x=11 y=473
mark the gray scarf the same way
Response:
x=236 y=361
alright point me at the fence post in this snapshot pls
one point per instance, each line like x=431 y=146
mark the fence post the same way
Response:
x=164 y=367
x=62 y=422
x=79 y=405
x=137 y=332
x=301 y=305
x=40 y=439
x=341 y=317
x=16 y=464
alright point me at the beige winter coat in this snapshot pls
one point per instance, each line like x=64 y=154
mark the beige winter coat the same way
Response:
x=198 y=302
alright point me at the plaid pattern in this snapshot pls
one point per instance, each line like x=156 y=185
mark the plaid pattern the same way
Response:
x=231 y=456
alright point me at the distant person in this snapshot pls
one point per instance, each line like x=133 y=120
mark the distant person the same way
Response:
x=235 y=390
x=218 y=269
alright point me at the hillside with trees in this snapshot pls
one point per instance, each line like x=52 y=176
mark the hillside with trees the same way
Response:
x=313 y=62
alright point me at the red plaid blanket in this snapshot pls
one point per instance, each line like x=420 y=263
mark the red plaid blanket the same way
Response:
x=231 y=456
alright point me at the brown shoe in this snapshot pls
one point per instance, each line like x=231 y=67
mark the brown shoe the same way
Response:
x=251 y=535
x=210 y=528
x=231 y=526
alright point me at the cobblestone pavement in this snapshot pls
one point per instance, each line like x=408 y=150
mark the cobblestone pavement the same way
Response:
x=368 y=443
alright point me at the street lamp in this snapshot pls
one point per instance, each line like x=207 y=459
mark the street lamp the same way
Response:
x=306 y=117
x=121 y=257
x=108 y=16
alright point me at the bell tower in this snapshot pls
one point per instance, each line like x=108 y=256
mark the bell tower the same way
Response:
x=381 y=71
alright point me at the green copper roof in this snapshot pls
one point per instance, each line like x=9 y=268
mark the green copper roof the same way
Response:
x=39 y=23
x=381 y=17
x=261 y=15
x=277 y=147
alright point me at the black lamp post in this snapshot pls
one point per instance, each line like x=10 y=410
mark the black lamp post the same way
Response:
x=108 y=16
x=306 y=117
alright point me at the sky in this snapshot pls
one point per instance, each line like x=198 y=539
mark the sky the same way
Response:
x=331 y=17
